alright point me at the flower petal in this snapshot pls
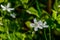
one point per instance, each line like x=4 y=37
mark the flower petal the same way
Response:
x=40 y=27
x=45 y=26
x=8 y=10
x=40 y=22
x=32 y=25
x=35 y=21
x=36 y=29
x=8 y=5
x=3 y=8
x=44 y=23
x=11 y=8
x=13 y=15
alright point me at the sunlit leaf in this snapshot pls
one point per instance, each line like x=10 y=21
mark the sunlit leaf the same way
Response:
x=20 y=35
x=33 y=11
x=1 y=1
x=24 y=1
x=3 y=36
x=54 y=14
x=2 y=29
x=28 y=24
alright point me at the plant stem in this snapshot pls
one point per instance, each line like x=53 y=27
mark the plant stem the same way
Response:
x=49 y=33
x=45 y=34
x=49 y=6
x=38 y=8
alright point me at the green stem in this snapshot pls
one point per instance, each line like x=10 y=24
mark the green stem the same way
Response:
x=38 y=8
x=49 y=33
x=45 y=34
x=56 y=5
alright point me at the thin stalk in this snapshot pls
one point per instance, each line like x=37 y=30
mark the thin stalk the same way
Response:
x=56 y=5
x=6 y=26
x=49 y=6
x=38 y=8
x=45 y=34
x=49 y=33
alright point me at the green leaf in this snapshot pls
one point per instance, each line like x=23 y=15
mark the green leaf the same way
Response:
x=24 y=1
x=20 y=35
x=2 y=29
x=1 y=1
x=56 y=5
x=0 y=18
x=33 y=11
x=28 y=24
x=58 y=19
x=3 y=36
x=54 y=14
x=58 y=29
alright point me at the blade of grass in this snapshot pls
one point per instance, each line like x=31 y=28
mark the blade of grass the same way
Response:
x=38 y=8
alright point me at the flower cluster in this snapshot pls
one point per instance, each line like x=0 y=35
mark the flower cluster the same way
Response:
x=38 y=25
x=8 y=9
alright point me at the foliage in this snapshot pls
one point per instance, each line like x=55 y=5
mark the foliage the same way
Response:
x=16 y=17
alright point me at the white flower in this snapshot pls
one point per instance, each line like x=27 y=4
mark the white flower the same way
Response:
x=13 y=15
x=38 y=25
x=7 y=7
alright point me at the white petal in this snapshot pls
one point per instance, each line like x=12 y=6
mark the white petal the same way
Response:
x=11 y=8
x=8 y=10
x=35 y=21
x=8 y=5
x=44 y=23
x=40 y=22
x=36 y=29
x=32 y=25
x=13 y=15
x=40 y=27
x=3 y=7
x=45 y=26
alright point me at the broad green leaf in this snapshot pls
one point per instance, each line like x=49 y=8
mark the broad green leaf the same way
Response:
x=54 y=14
x=58 y=19
x=57 y=32
x=33 y=11
x=28 y=24
x=20 y=35
x=3 y=36
x=56 y=5
x=6 y=1
x=58 y=22
x=0 y=18
x=2 y=29
x=1 y=1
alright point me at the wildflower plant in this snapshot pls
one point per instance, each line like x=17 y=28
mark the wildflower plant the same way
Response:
x=29 y=19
